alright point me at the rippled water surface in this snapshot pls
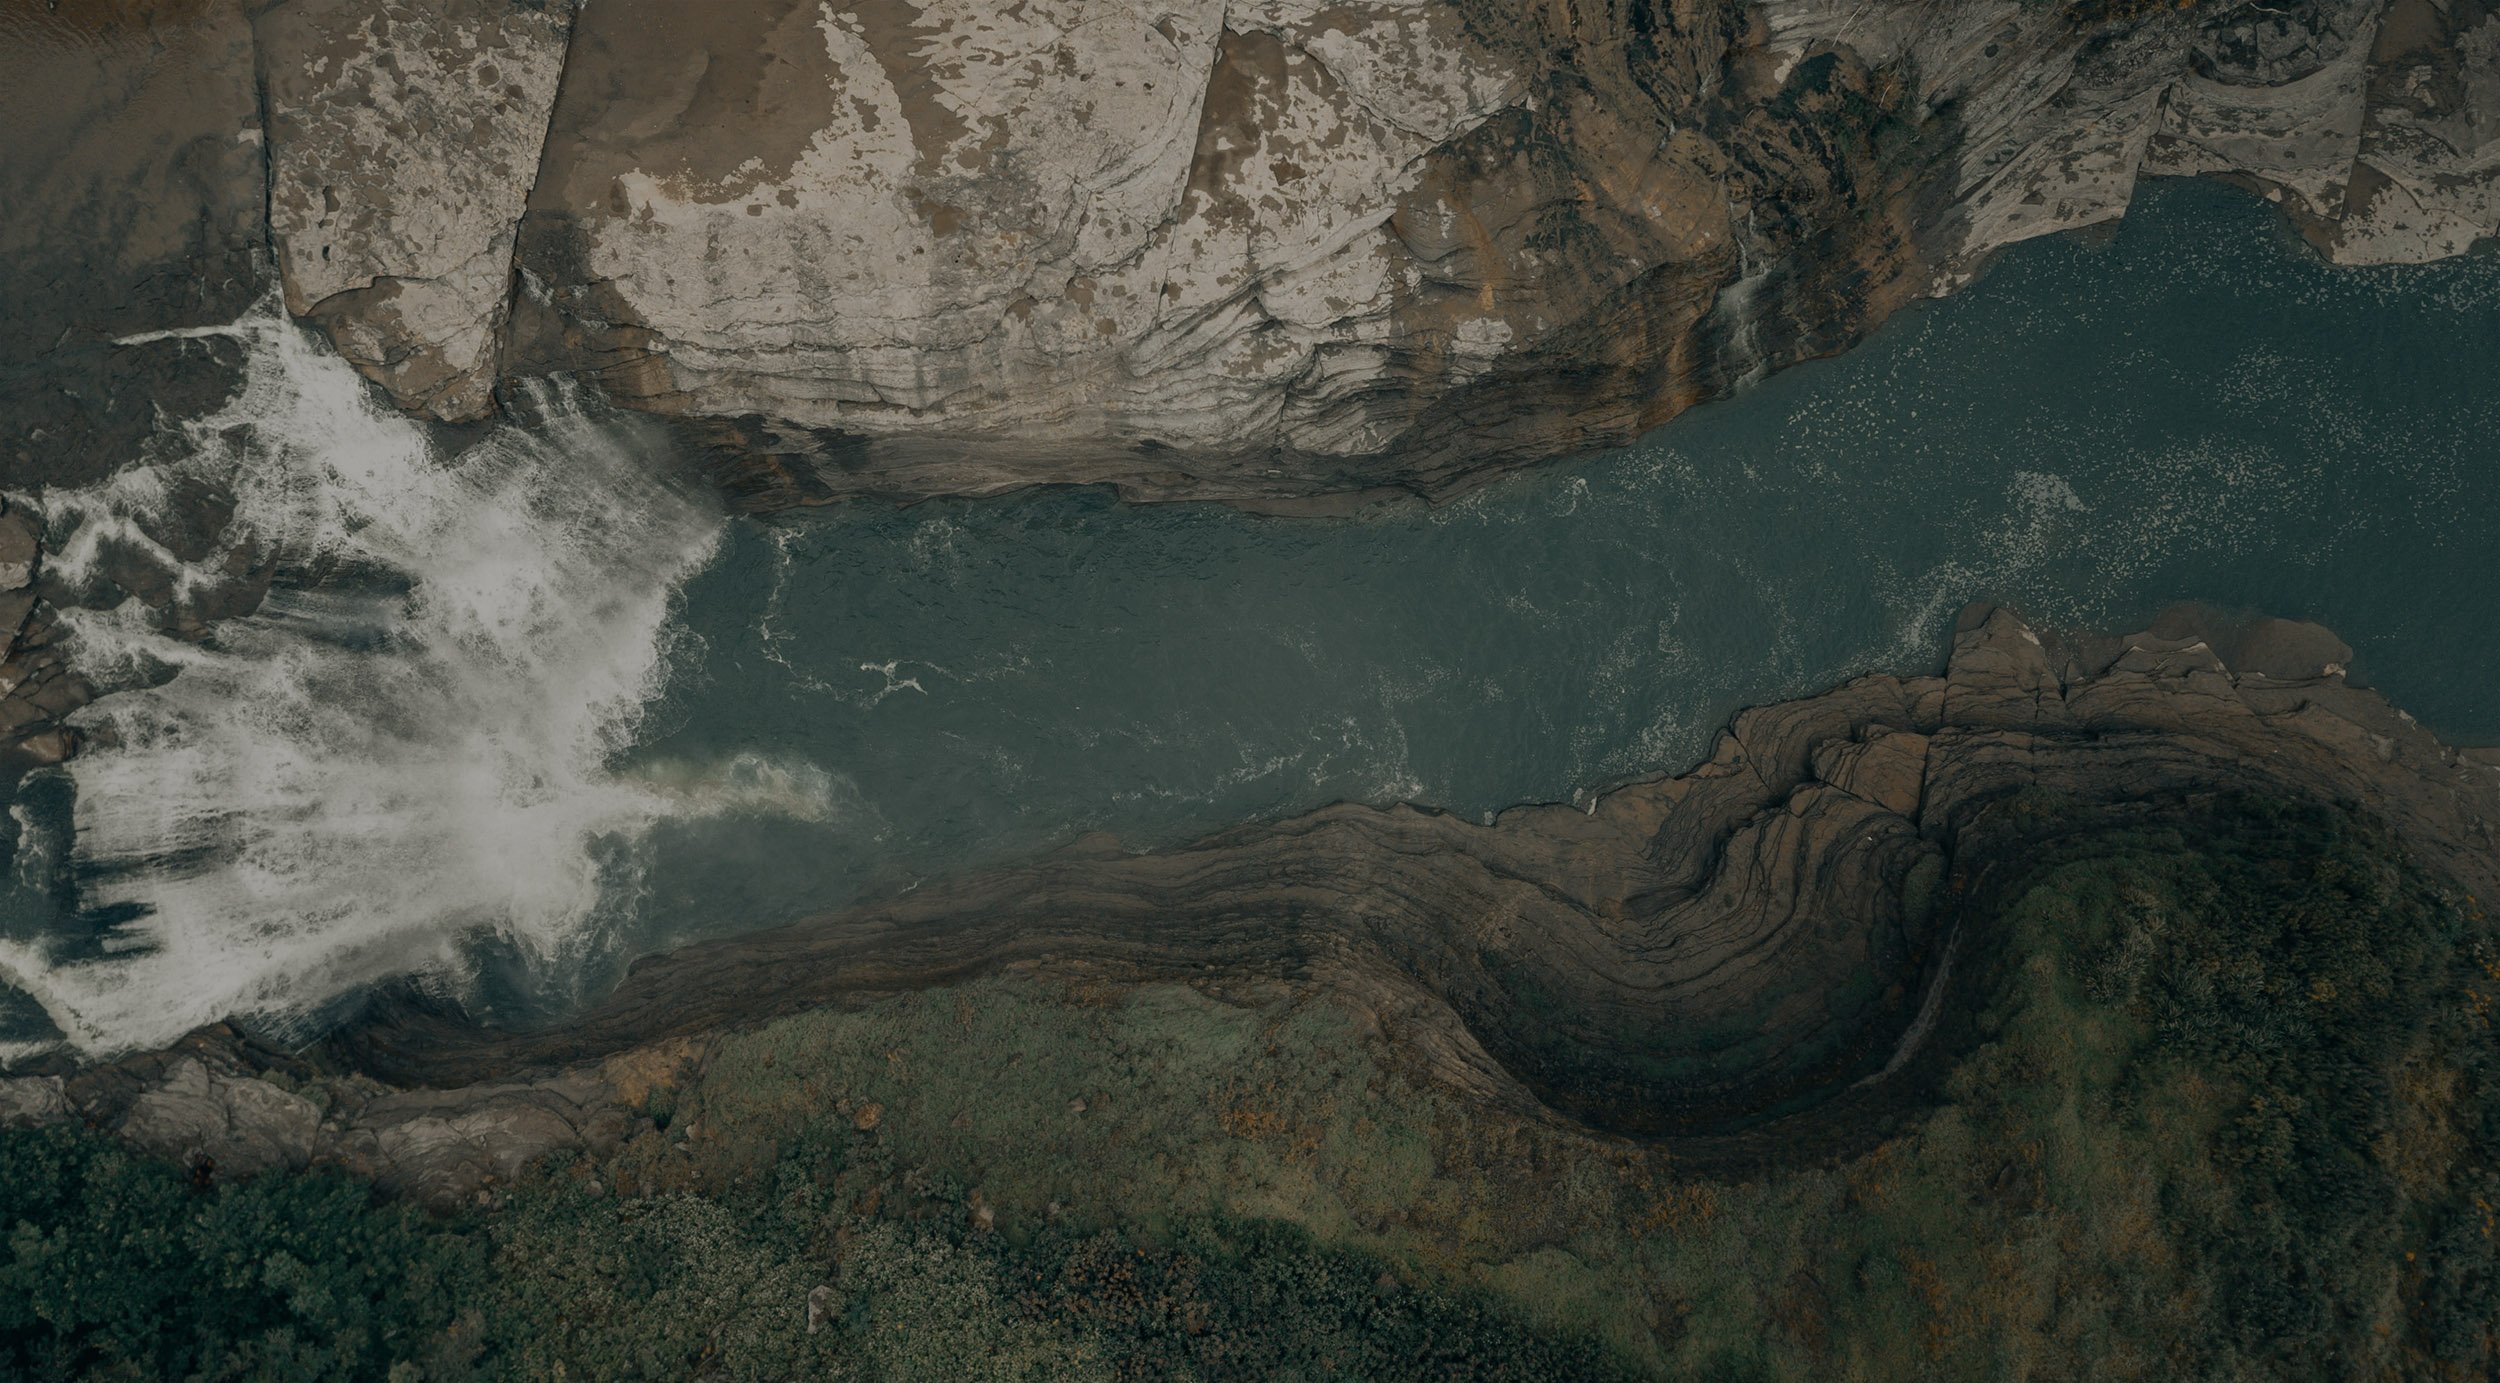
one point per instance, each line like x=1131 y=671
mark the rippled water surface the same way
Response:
x=856 y=699
x=2195 y=410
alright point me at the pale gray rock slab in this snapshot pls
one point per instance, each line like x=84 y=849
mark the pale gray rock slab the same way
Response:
x=2290 y=117
x=1076 y=220
x=238 y=1124
x=403 y=142
x=2426 y=183
x=26 y=1101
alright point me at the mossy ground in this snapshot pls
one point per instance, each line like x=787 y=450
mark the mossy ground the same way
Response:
x=2223 y=1107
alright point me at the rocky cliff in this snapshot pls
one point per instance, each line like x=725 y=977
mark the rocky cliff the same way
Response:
x=1758 y=954
x=1248 y=249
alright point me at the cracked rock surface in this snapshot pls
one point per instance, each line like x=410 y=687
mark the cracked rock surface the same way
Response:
x=402 y=143
x=1268 y=251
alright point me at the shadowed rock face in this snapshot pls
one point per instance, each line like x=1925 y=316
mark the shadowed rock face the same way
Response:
x=1699 y=958
x=1266 y=252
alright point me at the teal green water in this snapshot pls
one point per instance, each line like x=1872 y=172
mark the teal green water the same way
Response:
x=2196 y=409
x=421 y=755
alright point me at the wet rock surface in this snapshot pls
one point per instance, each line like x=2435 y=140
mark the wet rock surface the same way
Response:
x=38 y=690
x=135 y=191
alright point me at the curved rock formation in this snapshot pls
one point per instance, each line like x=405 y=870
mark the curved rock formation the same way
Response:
x=1258 y=250
x=1749 y=959
x=1688 y=957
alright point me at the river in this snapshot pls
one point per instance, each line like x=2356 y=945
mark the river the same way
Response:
x=517 y=715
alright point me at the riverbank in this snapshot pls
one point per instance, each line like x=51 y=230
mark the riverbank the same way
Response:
x=1355 y=1026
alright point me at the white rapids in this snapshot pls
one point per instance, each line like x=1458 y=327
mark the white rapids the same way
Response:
x=406 y=746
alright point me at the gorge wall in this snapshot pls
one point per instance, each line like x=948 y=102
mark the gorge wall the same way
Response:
x=1255 y=251
x=1260 y=252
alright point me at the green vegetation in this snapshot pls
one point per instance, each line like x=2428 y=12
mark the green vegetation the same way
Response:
x=2223 y=1106
x=117 y=1267
x=2229 y=1113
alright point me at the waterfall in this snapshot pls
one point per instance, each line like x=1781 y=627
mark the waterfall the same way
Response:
x=406 y=746
x=1747 y=363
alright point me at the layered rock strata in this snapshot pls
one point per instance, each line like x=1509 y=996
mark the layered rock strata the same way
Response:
x=1743 y=956
x=1268 y=251
x=1260 y=249
x=1729 y=958
x=1263 y=251
x=1688 y=953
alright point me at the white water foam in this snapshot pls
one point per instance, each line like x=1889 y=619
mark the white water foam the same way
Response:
x=407 y=744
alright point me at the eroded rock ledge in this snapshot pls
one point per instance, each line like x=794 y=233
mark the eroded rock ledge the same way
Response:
x=1732 y=954
x=1684 y=955
x=1249 y=249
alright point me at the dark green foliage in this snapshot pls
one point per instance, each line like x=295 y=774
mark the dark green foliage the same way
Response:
x=116 y=1266
x=1264 y=1300
x=2299 y=964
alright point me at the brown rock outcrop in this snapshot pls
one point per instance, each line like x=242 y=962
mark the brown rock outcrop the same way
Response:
x=1265 y=250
